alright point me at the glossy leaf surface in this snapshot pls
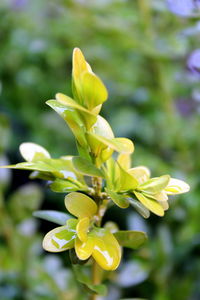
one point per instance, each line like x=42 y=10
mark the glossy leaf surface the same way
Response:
x=107 y=251
x=80 y=205
x=82 y=229
x=59 y=239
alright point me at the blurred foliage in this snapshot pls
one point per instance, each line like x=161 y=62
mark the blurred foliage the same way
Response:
x=140 y=50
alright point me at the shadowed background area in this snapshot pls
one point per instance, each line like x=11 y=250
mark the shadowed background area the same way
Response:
x=146 y=52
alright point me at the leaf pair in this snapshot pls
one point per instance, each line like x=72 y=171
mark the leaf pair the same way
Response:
x=88 y=89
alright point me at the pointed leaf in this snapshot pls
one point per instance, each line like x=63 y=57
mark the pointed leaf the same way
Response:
x=141 y=209
x=118 y=199
x=127 y=181
x=155 y=185
x=63 y=186
x=93 y=90
x=85 y=167
x=89 y=117
x=131 y=239
x=151 y=204
x=52 y=216
x=72 y=118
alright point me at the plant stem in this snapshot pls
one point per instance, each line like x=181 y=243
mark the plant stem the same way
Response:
x=95 y=277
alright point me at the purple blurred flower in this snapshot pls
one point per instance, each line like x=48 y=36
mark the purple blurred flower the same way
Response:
x=184 y=8
x=18 y=4
x=186 y=107
x=193 y=62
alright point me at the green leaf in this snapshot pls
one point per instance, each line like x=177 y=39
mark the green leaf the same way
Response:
x=155 y=185
x=59 y=239
x=151 y=204
x=121 y=145
x=127 y=181
x=64 y=186
x=93 y=90
x=80 y=205
x=85 y=167
x=88 y=117
x=141 y=209
x=84 y=277
x=72 y=118
x=118 y=199
x=52 y=216
x=5 y=133
x=131 y=239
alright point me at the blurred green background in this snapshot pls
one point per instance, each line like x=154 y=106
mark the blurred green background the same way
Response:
x=140 y=50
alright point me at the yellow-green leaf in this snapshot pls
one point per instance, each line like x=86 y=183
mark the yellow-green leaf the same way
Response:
x=85 y=167
x=73 y=119
x=124 y=161
x=59 y=239
x=121 y=145
x=141 y=173
x=127 y=181
x=177 y=186
x=84 y=249
x=33 y=152
x=88 y=116
x=93 y=90
x=151 y=204
x=155 y=185
x=80 y=205
x=82 y=228
x=118 y=199
x=107 y=251
x=63 y=186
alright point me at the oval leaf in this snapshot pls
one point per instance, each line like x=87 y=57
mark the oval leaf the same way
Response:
x=33 y=152
x=85 y=167
x=155 y=185
x=177 y=186
x=94 y=91
x=118 y=199
x=52 y=216
x=59 y=239
x=141 y=209
x=80 y=205
x=151 y=204
x=131 y=239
